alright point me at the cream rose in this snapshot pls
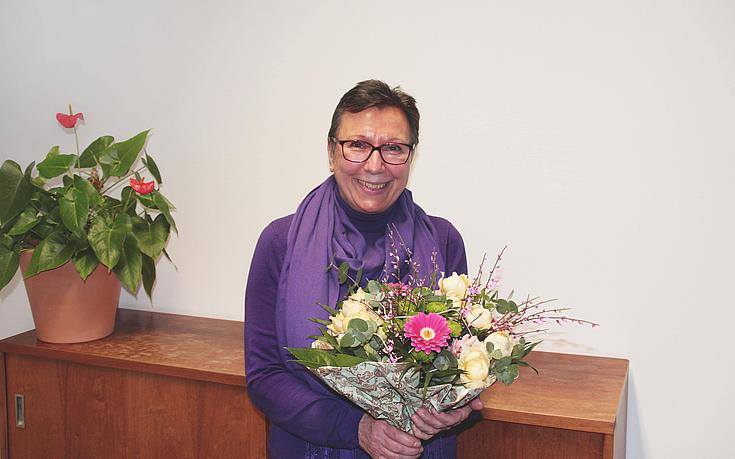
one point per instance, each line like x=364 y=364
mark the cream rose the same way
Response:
x=475 y=362
x=454 y=286
x=502 y=342
x=352 y=307
x=479 y=317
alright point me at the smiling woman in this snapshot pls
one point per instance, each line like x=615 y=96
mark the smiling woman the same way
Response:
x=346 y=219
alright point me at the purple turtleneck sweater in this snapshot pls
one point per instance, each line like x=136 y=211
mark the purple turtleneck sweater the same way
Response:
x=300 y=416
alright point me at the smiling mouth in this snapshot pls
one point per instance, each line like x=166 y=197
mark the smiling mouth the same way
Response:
x=372 y=186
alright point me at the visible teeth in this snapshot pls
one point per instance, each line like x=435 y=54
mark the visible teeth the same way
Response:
x=373 y=186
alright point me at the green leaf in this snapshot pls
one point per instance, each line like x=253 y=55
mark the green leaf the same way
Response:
x=118 y=157
x=152 y=168
x=15 y=191
x=526 y=364
x=149 y=275
x=25 y=222
x=85 y=262
x=50 y=253
x=93 y=196
x=74 y=207
x=55 y=165
x=373 y=287
x=349 y=340
x=508 y=375
x=342 y=274
x=315 y=358
x=106 y=238
x=358 y=324
x=331 y=311
x=151 y=236
x=165 y=207
x=8 y=265
x=90 y=155
x=130 y=266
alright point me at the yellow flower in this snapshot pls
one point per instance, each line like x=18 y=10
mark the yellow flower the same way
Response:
x=475 y=362
x=454 y=286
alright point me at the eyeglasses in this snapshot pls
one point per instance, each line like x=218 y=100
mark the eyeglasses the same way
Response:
x=359 y=151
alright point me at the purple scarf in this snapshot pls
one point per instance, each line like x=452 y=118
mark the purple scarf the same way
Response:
x=321 y=232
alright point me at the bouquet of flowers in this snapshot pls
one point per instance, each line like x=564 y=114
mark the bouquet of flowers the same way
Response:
x=394 y=347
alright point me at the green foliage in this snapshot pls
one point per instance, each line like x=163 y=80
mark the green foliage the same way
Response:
x=315 y=358
x=65 y=209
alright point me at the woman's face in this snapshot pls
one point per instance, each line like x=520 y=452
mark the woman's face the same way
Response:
x=371 y=186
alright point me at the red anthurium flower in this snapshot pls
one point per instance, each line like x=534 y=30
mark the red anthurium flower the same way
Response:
x=69 y=121
x=141 y=186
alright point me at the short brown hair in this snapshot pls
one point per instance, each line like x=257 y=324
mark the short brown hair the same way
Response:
x=375 y=93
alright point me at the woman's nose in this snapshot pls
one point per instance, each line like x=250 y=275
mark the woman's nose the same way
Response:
x=374 y=163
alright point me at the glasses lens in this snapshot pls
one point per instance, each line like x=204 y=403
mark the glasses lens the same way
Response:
x=395 y=153
x=356 y=150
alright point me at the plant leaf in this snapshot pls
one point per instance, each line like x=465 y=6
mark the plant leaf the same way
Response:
x=85 y=262
x=149 y=275
x=130 y=266
x=315 y=358
x=15 y=191
x=90 y=155
x=8 y=265
x=165 y=207
x=74 y=207
x=50 y=253
x=93 y=196
x=25 y=222
x=152 y=168
x=118 y=157
x=106 y=239
x=151 y=236
x=55 y=165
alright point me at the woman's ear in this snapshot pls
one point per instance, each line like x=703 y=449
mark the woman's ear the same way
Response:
x=330 y=155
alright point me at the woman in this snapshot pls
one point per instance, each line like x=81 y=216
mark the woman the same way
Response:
x=370 y=146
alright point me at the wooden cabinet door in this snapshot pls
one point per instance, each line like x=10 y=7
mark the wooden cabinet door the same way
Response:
x=83 y=411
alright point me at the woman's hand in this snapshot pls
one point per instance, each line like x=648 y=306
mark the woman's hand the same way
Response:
x=427 y=423
x=383 y=441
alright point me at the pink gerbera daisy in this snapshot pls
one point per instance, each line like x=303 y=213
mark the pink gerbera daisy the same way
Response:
x=428 y=332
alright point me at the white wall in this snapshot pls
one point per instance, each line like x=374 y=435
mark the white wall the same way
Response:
x=595 y=138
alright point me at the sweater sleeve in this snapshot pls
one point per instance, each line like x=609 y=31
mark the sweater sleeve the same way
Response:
x=289 y=402
x=455 y=257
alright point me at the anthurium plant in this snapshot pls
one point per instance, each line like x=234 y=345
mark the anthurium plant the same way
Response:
x=89 y=208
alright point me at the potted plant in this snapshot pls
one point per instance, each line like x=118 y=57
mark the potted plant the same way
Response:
x=80 y=225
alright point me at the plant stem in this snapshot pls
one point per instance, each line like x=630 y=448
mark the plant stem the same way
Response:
x=76 y=137
x=122 y=179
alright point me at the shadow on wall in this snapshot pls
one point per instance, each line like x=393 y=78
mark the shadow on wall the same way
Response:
x=636 y=445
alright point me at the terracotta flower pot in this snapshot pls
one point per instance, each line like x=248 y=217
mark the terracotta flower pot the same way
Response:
x=67 y=309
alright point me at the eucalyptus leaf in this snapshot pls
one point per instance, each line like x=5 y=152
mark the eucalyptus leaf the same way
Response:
x=15 y=191
x=8 y=265
x=373 y=287
x=342 y=274
x=358 y=324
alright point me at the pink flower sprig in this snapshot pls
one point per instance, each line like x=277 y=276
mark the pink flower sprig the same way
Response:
x=428 y=332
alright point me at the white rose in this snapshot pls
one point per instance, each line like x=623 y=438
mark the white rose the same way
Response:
x=454 y=286
x=502 y=341
x=352 y=308
x=479 y=317
x=475 y=362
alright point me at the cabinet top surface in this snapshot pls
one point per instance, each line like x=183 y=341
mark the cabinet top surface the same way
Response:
x=194 y=347
x=571 y=391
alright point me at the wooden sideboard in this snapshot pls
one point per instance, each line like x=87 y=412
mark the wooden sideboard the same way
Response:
x=165 y=385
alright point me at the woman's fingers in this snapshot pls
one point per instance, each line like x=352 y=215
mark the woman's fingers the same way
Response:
x=427 y=422
x=381 y=440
